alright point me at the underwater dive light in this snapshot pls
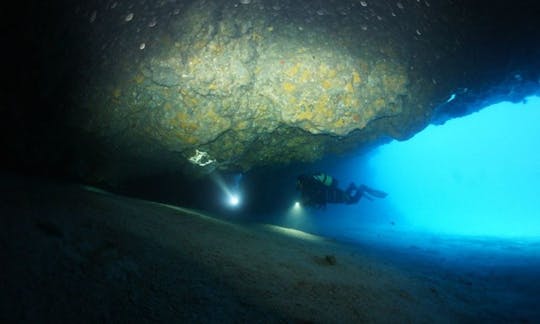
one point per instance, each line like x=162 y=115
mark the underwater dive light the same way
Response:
x=230 y=188
x=234 y=200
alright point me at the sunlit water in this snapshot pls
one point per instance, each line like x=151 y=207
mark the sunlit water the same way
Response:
x=476 y=175
x=471 y=185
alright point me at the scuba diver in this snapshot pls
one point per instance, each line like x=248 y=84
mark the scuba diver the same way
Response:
x=319 y=189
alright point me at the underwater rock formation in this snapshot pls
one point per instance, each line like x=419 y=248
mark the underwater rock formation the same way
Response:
x=231 y=86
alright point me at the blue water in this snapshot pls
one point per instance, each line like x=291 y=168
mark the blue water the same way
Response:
x=463 y=207
x=462 y=211
x=478 y=175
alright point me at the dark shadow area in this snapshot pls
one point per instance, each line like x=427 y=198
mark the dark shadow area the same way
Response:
x=61 y=264
x=99 y=257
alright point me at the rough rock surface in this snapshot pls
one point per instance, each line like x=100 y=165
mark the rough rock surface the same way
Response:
x=226 y=85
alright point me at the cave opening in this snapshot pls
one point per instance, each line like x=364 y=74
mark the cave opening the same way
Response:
x=467 y=187
x=476 y=175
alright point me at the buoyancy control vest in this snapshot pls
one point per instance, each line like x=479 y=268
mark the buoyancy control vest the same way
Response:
x=324 y=178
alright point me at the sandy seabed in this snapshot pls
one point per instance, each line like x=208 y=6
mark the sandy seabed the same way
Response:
x=75 y=254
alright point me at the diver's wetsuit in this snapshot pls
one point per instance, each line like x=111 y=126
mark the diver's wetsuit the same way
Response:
x=315 y=193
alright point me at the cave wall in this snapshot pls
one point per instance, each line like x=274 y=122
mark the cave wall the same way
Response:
x=145 y=87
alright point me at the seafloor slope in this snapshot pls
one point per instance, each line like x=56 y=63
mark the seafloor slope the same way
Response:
x=71 y=254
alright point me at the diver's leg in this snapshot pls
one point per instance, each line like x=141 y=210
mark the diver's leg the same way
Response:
x=353 y=194
x=373 y=192
x=351 y=189
x=358 y=195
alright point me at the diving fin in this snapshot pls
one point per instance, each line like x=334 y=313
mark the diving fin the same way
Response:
x=375 y=193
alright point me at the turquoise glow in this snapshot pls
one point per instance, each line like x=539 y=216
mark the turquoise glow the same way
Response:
x=476 y=175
